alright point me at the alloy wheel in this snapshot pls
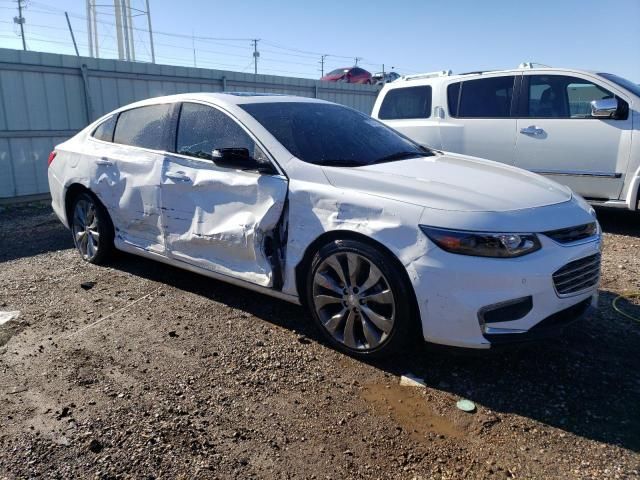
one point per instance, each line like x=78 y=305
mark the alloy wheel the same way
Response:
x=85 y=229
x=354 y=301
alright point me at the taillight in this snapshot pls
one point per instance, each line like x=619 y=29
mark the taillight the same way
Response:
x=52 y=155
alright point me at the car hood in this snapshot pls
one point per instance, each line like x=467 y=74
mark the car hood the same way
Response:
x=453 y=183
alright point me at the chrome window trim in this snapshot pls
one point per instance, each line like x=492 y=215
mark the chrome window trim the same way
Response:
x=578 y=173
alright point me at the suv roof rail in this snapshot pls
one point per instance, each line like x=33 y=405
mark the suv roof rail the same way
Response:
x=439 y=73
x=531 y=65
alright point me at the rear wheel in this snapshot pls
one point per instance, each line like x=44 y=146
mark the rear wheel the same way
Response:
x=359 y=299
x=91 y=228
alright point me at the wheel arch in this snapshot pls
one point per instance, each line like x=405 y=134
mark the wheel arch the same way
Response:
x=75 y=189
x=332 y=235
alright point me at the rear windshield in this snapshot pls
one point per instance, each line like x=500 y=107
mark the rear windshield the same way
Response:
x=338 y=71
x=327 y=134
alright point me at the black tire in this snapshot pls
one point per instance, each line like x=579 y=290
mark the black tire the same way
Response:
x=404 y=323
x=103 y=248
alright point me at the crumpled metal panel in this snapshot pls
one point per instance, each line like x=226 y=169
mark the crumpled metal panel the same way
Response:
x=316 y=208
x=219 y=218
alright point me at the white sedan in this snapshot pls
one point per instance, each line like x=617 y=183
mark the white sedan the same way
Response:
x=318 y=204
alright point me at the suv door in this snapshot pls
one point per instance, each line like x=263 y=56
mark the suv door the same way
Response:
x=127 y=165
x=214 y=217
x=479 y=120
x=558 y=137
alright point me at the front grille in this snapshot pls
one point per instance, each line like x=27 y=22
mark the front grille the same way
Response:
x=573 y=234
x=577 y=275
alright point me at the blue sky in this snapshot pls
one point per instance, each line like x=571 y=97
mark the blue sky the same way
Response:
x=412 y=36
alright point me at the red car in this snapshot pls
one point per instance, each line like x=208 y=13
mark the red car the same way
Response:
x=349 y=75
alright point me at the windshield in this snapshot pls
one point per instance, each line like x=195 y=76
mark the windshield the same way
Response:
x=338 y=71
x=623 y=82
x=328 y=134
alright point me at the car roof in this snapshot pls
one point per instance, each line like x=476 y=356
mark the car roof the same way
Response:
x=223 y=99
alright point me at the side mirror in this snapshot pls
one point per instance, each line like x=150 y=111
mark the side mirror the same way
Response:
x=605 y=108
x=239 y=159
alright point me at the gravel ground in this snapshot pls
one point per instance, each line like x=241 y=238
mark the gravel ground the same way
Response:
x=159 y=373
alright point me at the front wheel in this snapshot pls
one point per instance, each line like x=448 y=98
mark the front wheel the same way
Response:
x=91 y=228
x=359 y=299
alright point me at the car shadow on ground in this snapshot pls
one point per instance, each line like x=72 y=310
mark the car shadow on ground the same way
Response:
x=586 y=382
x=28 y=230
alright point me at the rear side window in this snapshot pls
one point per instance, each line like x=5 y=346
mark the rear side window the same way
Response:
x=105 y=130
x=403 y=103
x=482 y=98
x=143 y=126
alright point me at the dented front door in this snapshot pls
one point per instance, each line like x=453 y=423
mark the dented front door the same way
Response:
x=217 y=218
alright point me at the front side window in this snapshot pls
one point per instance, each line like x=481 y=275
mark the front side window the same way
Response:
x=481 y=98
x=203 y=129
x=105 y=130
x=404 y=103
x=143 y=126
x=559 y=96
x=333 y=135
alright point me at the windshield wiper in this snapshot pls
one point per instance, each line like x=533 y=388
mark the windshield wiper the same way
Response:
x=400 y=156
x=340 y=163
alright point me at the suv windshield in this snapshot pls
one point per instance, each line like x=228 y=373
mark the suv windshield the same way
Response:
x=327 y=134
x=623 y=82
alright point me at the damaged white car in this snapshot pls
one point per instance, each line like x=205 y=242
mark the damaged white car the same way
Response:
x=321 y=205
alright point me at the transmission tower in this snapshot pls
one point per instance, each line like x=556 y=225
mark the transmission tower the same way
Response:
x=123 y=15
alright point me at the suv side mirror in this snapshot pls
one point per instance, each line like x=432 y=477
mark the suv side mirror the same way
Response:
x=239 y=159
x=605 y=108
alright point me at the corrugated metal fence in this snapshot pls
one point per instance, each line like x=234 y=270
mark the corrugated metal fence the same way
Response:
x=46 y=98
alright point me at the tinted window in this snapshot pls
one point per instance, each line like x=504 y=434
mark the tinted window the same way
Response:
x=104 y=131
x=328 y=134
x=338 y=71
x=143 y=126
x=485 y=98
x=558 y=96
x=411 y=102
x=453 y=93
x=202 y=129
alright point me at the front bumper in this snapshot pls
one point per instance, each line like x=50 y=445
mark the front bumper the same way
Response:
x=452 y=291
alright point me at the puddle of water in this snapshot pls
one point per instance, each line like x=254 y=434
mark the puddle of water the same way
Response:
x=409 y=409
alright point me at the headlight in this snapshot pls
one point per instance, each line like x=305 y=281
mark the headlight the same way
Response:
x=483 y=244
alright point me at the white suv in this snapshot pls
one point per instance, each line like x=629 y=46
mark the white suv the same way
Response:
x=578 y=127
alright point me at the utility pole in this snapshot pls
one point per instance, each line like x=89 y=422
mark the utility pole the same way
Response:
x=193 y=46
x=130 y=21
x=153 y=54
x=20 y=21
x=357 y=59
x=256 y=54
x=118 y=13
x=322 y=57
x=125 y=31
x=73 y=38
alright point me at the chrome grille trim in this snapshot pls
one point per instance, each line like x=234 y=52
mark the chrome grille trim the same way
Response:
x=573 y=234
x=578 y=275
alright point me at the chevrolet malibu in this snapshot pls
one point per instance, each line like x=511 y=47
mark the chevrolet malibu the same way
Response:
x=318 y=204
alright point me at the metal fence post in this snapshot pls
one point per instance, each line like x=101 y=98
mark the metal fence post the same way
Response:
x=84 y=71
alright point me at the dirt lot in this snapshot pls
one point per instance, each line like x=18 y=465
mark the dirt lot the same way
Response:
x=159 y=373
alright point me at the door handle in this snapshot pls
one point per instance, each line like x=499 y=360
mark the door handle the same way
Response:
x=180 y=176
x=532 y=130
x=104 y=161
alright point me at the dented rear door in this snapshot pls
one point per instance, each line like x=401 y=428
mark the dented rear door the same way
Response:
x=216 y=218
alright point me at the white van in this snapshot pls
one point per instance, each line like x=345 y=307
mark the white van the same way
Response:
x=580 y=128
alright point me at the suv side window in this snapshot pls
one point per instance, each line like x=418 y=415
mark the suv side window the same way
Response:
x=481 y=98
x=143 y=126
x=202 y=129
x=104 y=131
x=559 y=96
x=404 y=103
